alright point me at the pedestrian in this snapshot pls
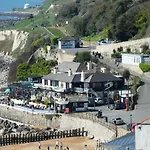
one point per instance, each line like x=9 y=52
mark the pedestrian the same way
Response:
x=48 y=148
x=39 y=145
x=60 y=146
x=85 y=147
x=57 y=145
x=67 y=148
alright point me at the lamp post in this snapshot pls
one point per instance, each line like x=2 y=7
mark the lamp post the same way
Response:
x=130 y=122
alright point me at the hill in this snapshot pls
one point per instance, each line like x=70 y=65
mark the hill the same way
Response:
x=119 y=20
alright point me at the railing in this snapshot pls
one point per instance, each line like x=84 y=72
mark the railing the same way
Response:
x=26 y=138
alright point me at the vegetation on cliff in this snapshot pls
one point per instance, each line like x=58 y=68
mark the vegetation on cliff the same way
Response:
x=121 y=20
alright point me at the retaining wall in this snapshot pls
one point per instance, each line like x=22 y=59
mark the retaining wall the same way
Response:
x=63 y=122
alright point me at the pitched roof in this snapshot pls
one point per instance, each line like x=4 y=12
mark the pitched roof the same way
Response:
x=74 y=66
x=59 y=77
x=101 y=77
x=127 y=140
x=67 y=38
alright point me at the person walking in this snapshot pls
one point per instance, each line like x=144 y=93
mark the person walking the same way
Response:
x=57 y=145
x=60 y=146
x=67 y=148
x=39 y=145
x=48 y=148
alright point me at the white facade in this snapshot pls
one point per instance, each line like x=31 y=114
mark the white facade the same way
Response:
x=62 y=44
x=142 y=137
x=26 y=6
x=132 y=59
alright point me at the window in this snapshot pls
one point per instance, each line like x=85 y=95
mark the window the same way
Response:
x=55 y=83
x=67 y=85
x=45 y=82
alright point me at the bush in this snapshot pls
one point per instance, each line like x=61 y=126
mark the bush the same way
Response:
x=144 y=67
x=116 y=55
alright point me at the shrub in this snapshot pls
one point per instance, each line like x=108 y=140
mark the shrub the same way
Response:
x=116 y=55
x=144 y=67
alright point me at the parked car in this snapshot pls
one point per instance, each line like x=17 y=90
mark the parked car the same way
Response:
x=117 y=121
x=119 y=105
x=99 y=101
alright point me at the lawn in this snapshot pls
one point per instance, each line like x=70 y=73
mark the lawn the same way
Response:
x=56 y=32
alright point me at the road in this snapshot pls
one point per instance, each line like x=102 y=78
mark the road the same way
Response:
x=142 y=110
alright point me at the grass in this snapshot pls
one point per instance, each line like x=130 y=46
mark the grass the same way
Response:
x=56 y=32
x=62 y=2
x=101 y=35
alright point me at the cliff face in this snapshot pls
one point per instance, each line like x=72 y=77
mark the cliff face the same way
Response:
x=10 y=40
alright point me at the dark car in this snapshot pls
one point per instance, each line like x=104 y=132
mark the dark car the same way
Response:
x=119 y=105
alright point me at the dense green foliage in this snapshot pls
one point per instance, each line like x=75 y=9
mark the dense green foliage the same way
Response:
x=126 y=74
x=82 y=57
x=144 y=67
x=123 y=19
x=41 y=67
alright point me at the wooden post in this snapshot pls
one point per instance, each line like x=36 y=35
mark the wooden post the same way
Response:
x=70 y=135
x=82 y=131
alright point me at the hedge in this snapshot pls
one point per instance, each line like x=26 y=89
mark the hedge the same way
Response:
x=144 y=67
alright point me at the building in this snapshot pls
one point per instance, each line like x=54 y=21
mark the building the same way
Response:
x=76 y=77
x=69 y=42
x=26 y=6
x=142 y=140
x=135 y=59
x=126 y=142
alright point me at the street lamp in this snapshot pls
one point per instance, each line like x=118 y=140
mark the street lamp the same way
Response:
x=130 y=122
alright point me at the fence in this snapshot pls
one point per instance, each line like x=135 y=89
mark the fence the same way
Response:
x=26 y=138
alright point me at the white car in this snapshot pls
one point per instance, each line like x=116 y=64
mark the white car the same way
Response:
x=118 y=121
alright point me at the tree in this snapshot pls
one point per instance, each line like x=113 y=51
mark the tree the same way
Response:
x=126 y=74
x=82 y=57
x=23 y=71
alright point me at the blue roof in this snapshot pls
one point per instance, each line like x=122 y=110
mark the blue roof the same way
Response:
x=130 y=146
x=121 y=143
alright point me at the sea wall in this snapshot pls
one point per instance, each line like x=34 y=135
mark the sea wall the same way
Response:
x=62 y=122
x=30 y=118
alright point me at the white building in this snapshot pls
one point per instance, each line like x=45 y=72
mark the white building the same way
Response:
x=66 y=42
x=26 y=6
x=142 y=137
x=135 y=59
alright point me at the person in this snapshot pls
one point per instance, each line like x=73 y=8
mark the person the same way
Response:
x=60 y=146
x=67 y=148
x=85 y=147
x=39 y=144
x=48 y=148
x=57 y=145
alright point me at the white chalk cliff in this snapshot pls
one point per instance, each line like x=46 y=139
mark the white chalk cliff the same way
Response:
x=15 y=39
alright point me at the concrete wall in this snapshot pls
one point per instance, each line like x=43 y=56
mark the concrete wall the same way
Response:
x=29 y=118
x=93 y=128
x=142 y=137
x=64 y=122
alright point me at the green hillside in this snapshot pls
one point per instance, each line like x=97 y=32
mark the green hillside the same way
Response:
x=115 y=19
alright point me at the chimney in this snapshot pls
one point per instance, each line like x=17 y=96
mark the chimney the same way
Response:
x=69 y=72
x=89 y=65
x=55 y=70
x=82 y=76
x=103 y=70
